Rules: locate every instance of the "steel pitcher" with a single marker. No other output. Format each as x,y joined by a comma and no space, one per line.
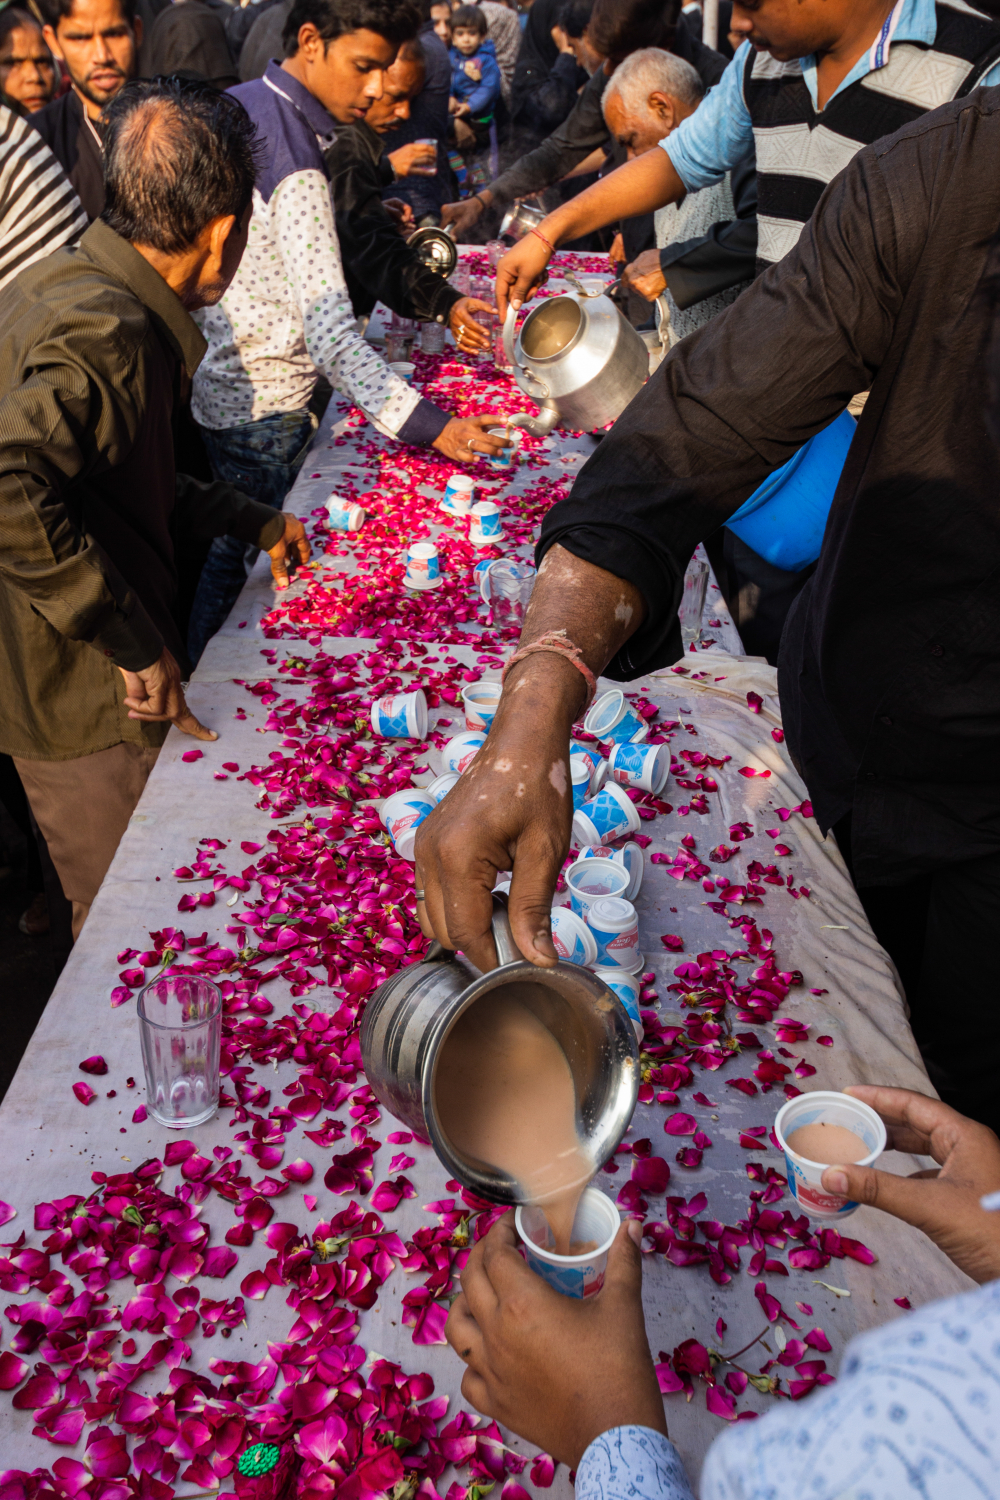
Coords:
408,1019
579,359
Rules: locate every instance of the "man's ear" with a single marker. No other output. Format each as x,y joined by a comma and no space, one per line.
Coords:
217,235
51,42
663,107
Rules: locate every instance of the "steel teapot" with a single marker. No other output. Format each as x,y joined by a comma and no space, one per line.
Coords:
409,1018
520,219
579,359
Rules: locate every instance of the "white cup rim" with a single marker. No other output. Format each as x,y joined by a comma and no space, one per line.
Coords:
833,1096
570,1261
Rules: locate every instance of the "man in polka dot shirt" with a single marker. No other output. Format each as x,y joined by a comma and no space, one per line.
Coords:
287,316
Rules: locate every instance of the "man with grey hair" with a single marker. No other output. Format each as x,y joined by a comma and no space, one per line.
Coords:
95,344
647,97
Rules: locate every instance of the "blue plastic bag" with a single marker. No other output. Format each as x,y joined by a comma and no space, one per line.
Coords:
785,518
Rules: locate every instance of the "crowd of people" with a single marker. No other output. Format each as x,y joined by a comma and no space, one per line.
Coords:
200,205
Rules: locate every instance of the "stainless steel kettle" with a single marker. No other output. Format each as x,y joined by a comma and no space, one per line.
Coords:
521,218
408,1019
579,359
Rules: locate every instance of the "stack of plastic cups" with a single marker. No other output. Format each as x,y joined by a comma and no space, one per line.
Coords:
627,988
614,925
629,855
572,938
462,749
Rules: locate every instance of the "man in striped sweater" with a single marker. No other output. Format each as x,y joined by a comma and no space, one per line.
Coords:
814,81
39,211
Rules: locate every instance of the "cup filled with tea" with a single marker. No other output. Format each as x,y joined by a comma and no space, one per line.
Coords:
826,1129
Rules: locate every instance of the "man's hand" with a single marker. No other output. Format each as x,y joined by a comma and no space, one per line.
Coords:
401,212
463,215
469,334
155,696
645,275
414,157
522,269
617,253
943,1203
465,439
557,1370
465,136
292,546
561,38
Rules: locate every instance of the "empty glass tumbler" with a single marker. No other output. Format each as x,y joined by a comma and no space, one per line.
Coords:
510,586
693,601
180,1029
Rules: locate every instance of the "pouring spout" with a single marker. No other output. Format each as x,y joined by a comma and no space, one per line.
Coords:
540,426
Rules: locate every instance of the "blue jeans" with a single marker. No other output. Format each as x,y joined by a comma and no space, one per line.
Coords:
262,459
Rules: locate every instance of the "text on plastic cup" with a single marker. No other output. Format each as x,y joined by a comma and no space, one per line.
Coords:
422,561
462,749
486,518
615,928
643,766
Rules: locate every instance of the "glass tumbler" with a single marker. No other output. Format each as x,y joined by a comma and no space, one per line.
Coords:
511,584
180,1029
693,601
432,338
495,251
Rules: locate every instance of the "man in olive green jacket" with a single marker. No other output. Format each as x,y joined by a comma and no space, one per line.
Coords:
93,346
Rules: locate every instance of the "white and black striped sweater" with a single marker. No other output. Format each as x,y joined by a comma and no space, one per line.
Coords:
800,150
39,211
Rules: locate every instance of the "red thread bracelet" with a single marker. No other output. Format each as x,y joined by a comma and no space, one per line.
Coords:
539,235
558,642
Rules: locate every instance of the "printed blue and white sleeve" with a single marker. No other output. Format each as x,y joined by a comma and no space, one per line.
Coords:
632,1463
719,134
306,237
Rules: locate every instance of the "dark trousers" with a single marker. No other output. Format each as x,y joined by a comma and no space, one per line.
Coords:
941,932
262,459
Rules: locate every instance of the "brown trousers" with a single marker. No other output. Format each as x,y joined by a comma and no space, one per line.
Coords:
82,807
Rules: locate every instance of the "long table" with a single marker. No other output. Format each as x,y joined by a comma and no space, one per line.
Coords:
754,890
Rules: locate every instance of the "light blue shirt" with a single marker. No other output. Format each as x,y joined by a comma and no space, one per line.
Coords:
914,1415
719,134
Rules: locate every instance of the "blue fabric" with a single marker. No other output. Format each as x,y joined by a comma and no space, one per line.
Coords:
914,1415
481,97
262,459
288,120
718,135
785,517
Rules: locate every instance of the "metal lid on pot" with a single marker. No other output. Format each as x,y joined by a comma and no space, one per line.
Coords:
435,248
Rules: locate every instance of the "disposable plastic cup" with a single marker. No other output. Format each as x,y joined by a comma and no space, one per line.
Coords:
442,785
571,937
614,926
403,369
402,814
591,752
462,749
579,774
481,699
607,816
485,527
401,716
459,493
645,767
423,566
507,458
626,987
344,515
611,718
826,1107
629,855
588,880
597,1221
180,1033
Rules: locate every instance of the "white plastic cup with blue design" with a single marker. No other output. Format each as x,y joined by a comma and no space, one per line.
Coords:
571,937
645,767
628,854
459,493
481,699
611,718
609,815
589,752
401,816
401,716
626,987
597,1222
484,524
423,566
805,1177
344,515
588,880
441,786
579,774
614,927
507,457
462,749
